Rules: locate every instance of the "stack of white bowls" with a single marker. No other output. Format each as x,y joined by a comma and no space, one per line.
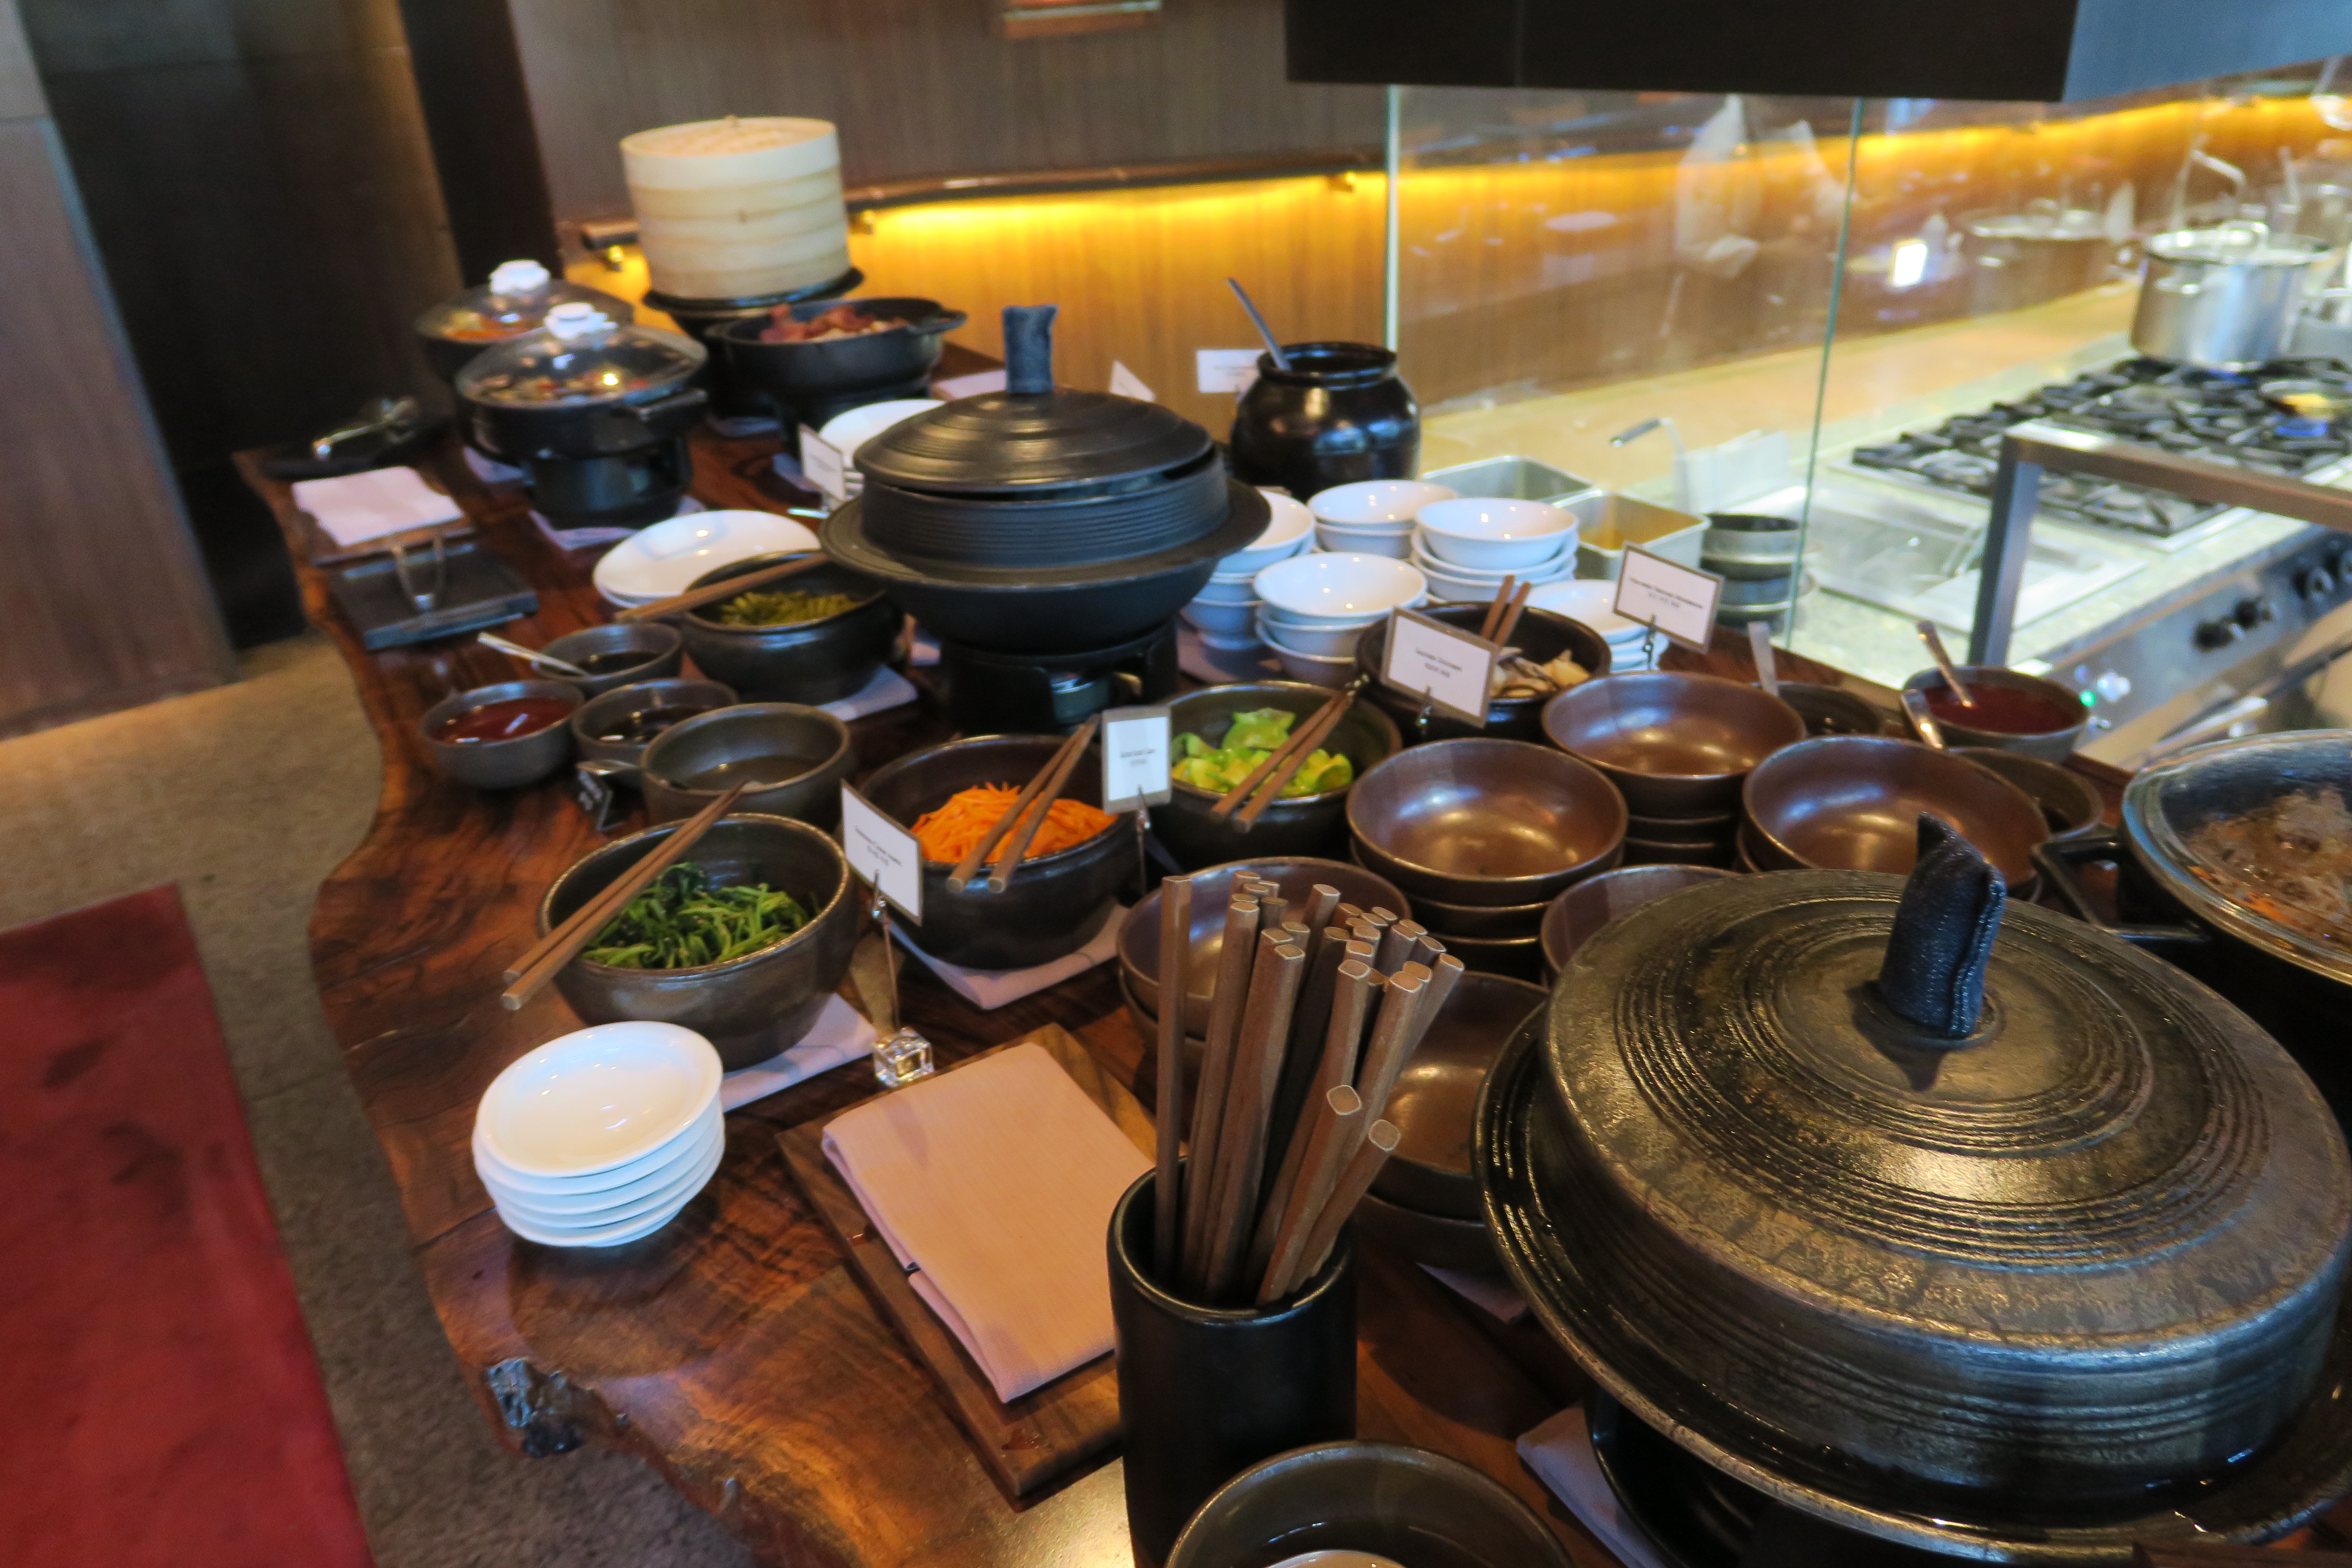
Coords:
845,433
655,563
602,1136
1316,606
1225,613
1465,548
1589,601
1372,517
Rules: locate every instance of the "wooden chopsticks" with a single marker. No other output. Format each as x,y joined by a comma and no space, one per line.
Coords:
1175,983
1511,613
712,593
1502,600
559,947
1017,826
1271,777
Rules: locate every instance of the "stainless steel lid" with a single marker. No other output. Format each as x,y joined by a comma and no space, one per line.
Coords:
580,357
2237,243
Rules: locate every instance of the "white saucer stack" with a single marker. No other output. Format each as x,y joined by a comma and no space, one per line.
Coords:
601,1137
1589,600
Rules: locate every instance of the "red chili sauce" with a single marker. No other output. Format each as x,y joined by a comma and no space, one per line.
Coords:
2004,709
506,719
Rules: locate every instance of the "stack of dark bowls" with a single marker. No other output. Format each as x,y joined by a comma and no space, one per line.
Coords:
1755,555
1678,747
1483,834
1041,520
1540,635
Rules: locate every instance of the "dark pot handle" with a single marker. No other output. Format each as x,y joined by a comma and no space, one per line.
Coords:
944,321
677,402
2056,861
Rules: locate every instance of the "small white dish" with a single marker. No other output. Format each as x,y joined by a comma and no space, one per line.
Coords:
1313,667
598,1098
667,557
1428,562
1495,535
685,1180
1445,585
1242,591
1324,642
1245,643
1376,501
1587,600
611,1235
1395,546
539,1194
845,433
1340,586
1284,536
489,1167
1225,620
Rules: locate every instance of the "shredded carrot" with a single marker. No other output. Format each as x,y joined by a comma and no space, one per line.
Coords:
948,833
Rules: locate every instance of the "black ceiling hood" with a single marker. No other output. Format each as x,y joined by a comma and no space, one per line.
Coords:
2046,51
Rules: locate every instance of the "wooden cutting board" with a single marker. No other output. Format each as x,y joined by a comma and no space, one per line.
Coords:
1040,1437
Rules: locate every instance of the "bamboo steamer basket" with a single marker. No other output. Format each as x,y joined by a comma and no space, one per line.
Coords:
740,207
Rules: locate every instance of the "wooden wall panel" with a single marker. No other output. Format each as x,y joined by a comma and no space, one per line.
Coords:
103,602
918,87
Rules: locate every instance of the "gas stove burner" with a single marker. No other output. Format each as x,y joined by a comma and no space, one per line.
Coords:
2282,420
992,693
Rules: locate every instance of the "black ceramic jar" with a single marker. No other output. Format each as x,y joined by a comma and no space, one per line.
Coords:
1339,414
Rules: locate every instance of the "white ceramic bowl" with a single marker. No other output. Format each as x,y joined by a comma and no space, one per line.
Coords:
1341,586
1231,591
1225,620
1495,535
1290,531
598,1099
1327,642
682,1181
614,1233
1395,546
845,433
1245,643
1558,560
1315,667
1445,584
1376,501
1587,600
666,558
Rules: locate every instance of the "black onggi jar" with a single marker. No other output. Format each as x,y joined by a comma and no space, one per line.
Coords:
1339,414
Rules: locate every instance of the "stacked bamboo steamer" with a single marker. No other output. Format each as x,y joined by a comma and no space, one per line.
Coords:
739,208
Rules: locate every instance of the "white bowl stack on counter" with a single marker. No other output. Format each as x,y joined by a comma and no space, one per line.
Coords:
1225,613
1587,600
1372,517
1466,547
666,558
1314,608
600,1136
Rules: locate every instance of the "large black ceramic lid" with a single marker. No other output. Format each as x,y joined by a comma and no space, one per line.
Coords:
580,358
2024,1283
1032,435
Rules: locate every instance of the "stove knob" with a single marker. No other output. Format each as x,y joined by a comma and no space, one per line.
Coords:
2253,612
2218,633
2315,582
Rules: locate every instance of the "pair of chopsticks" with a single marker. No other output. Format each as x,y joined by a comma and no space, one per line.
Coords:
1271,777
1503,616
712,593
1017,826
559,947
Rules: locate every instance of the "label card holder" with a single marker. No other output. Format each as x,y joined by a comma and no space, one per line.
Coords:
882,852
1127,384
822,464
1450,669
1669,598
1225,370
1136,750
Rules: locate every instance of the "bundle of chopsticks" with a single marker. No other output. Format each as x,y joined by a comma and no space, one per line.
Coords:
1503,612
1266,781
1311,1020
1008,841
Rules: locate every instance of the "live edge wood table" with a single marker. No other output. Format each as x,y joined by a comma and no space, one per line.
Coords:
733,1350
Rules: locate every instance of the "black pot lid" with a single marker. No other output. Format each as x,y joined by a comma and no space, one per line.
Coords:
1033,436
579,359
845,538
2089,1249
2207,824
515,301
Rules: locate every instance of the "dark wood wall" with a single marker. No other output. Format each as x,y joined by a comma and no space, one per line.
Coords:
918,87
103,600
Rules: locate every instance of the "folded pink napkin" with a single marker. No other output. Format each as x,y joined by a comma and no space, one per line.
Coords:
993,1185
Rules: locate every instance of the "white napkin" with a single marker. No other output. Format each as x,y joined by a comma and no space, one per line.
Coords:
888,689
355,507
1560,1453
989,989
992,1186
840,1034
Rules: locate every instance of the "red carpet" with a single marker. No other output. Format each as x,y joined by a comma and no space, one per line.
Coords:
162,1406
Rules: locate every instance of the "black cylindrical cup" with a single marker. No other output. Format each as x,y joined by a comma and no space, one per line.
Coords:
1204,1393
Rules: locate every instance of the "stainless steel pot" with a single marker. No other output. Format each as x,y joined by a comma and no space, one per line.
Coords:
2224,297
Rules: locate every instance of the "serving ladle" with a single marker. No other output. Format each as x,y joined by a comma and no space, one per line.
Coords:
1951,672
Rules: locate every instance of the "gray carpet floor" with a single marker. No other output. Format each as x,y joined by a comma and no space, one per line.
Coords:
245,797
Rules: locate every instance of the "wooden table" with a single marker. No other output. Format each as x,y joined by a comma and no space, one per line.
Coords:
733,1350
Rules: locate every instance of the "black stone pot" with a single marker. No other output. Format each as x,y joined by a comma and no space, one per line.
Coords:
1339,414
811,383
731,397
814,662
1205,1393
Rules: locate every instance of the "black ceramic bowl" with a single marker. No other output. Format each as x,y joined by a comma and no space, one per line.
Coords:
1485,822
811,661
815,381
620,655
752,1007
1435,1103
2068,802
1592,903
1832,710
1300,825
501,764
2055,714
1540,635
1054,903
792,757
608,714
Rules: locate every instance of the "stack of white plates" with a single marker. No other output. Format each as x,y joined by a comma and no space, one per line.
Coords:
1465,548
1225,613
1589,601
1316,606
602,1136
1372,517
664,558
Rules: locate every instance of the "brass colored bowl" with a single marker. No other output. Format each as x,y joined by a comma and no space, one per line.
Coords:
1675,745
1485,822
